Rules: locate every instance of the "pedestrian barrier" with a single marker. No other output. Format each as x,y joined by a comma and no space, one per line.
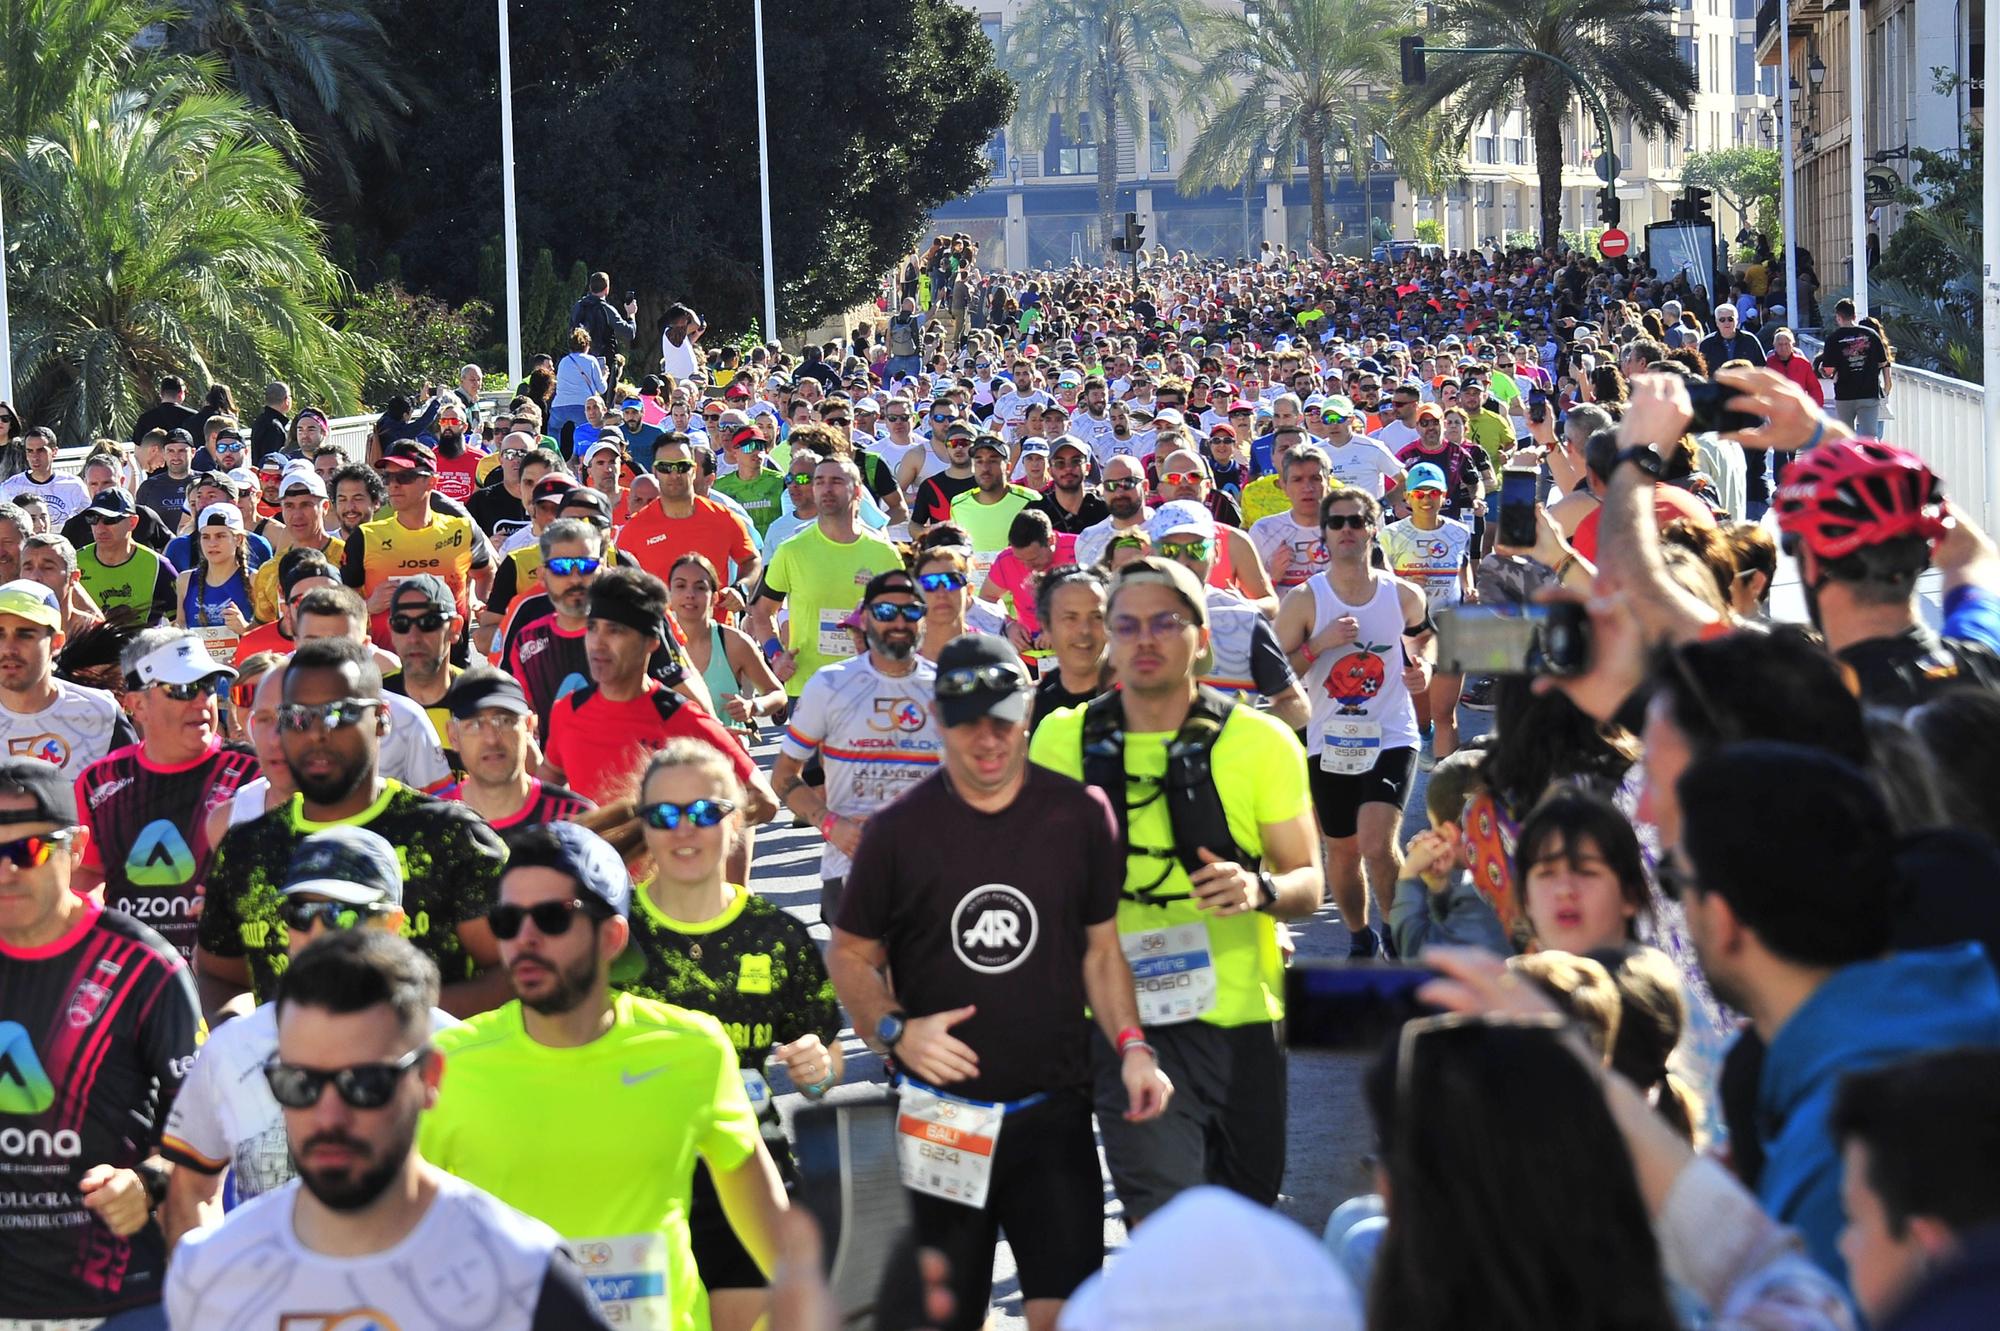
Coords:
1943,421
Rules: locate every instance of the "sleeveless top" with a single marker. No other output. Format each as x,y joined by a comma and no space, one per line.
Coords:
202,606
720,678
1360,705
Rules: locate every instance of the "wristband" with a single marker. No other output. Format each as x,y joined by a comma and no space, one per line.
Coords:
1819,433
1131,1035
1306,650
826,825
1139,1044
818,1088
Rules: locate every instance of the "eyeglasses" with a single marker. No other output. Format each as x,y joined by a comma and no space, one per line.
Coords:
975,679
572,566
429,622
335,715
887,612
189,692
1336,521
1130,628
32,852
1184,549
550,917
670,468
1182,477
1122,483
666,816
303,915
363,1086
948,581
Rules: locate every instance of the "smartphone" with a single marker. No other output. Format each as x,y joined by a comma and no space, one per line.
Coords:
1351,1005
1710,415
1532,639
1518,492
1538,406
631,293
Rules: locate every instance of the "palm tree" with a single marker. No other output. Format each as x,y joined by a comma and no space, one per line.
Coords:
49,47
1624,49
1095,58
1305,77
323,66
162,229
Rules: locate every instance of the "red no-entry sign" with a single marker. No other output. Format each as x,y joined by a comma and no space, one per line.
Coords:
1613,243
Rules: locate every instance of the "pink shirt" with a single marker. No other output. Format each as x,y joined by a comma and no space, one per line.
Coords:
1015,578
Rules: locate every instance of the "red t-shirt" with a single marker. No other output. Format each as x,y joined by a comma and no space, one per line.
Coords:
458,477
656,540
600,747
1669,502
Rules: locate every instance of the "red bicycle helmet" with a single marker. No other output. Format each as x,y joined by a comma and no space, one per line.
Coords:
1849,494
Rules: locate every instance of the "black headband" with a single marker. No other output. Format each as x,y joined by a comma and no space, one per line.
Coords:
633,617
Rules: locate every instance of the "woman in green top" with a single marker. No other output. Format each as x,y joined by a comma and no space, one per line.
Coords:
738,677
709,945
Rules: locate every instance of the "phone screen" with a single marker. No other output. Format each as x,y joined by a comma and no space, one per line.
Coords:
1331,1004
1518,487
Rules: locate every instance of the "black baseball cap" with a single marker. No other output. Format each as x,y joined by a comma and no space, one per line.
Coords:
980,675
424,591
477,690
114,503
893,580
54,796
409,455
586,503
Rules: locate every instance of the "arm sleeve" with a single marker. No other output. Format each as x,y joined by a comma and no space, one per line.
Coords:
776,580
1269,670
564,1300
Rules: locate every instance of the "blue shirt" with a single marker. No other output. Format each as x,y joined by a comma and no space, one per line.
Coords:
577,376
183,555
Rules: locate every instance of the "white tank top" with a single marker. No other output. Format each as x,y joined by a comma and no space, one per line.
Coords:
249,800
1360,705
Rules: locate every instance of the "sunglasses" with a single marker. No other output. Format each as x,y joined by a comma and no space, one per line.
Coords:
896,420
1184,477
189,692
303,915
1129,628
711,415
1336,521
800,478
32,852
550,917
680,468
335,715
1122,483
363,1086
1184,549
947,581
887,612
976,679
430,622
244,696
666,816
834,420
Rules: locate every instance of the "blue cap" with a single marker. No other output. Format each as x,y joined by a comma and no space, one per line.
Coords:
347,864
589,858
1427,476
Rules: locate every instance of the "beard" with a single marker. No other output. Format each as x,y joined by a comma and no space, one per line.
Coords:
451,443
355,1187
898,648
1124,503
572,984
332,786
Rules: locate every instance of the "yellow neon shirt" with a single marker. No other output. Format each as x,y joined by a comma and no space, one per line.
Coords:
264,582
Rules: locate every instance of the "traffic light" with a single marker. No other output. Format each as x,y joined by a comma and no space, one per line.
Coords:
1694,206
1413,61
1607,206
1135,235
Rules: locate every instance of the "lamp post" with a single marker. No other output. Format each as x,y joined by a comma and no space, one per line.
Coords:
6,327
1787,203
1989,170
513,243
1857,152
764,181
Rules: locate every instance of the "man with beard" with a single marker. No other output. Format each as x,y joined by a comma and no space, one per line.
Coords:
1125,496
358,493
423,624
577,1069
165,491
457,465
684,520
224,1117
501,505
65,725
417,536
355,1020
491,727
1091,424
987,511
936,491
1071,505
841,715
331,724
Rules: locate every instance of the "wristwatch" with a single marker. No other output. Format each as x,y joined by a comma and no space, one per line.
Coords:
1267,890
889,1029
1644,458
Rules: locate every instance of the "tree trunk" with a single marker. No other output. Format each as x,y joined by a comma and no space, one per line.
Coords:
1107,171
1547,102
1316,188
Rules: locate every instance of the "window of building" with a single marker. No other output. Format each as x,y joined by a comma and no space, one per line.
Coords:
1066,156
1156,141
996,153
1486,148
1746,69
990,25
1514,151
1691,53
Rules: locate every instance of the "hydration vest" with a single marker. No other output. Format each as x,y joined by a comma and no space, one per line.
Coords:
1194,805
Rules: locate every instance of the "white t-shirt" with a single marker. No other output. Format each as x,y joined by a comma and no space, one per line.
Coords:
74,731
1139,444
471,1262
1430,559
1396,436
225,1116
679,361
410,751
874,732
1094,540
63,496
1305,550
1364,463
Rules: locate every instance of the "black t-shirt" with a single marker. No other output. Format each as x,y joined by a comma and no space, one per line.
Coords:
1051,696
496,511
934,496
1857,357
166,416
1916,665
1089,513
451,867
100,1029
990,910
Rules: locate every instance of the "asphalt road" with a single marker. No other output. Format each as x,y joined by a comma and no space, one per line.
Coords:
1329,1134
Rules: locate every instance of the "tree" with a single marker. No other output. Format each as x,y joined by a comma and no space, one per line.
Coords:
323,66
1088,65
1302,78
410,338
1926,285
1624,49
162,229
1747,179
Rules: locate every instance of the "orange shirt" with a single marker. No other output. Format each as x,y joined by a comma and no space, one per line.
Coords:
1669,503
656,540
263,638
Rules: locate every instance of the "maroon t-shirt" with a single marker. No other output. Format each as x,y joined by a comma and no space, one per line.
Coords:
989,909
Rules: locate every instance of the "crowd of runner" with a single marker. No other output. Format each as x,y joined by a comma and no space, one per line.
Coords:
1105,622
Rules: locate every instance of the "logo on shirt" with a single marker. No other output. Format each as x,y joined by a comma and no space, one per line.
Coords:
87,1003
49,748
160,857
994,928
899,714
25,1089
108,789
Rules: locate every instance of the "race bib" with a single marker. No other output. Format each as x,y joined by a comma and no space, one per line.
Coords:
1351,747
836,641
628,1274
1171,972
219,640
756,1088
944,1147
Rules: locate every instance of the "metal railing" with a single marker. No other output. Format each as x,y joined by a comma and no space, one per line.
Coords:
1941,420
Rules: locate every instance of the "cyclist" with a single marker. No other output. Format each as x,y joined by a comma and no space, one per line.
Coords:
618,1094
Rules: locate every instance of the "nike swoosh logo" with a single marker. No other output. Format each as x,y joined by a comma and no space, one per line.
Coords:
632,1079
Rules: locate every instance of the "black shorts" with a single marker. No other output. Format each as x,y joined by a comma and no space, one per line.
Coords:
1338,799
719,1256
1047,1194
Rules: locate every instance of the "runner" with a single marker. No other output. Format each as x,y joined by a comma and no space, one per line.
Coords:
302,501
491,728
41,716
682,520
415,538
1237,565
1125,497
739,679
423,624
1072,506
573,1067
1070,602
130,583
225,1119
101,1026
147,804
1290,542
331,724
869,719
1363,738
712,946
63,496
411,751
1434,554
1357,459
1211,865
988,893
1244,659
370,1233
987,511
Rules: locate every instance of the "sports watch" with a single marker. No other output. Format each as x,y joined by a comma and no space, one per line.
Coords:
1267,890
890,1029
1644,457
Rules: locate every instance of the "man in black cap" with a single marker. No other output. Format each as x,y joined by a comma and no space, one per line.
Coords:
936,491
989,892
490,729
423,624
130,583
